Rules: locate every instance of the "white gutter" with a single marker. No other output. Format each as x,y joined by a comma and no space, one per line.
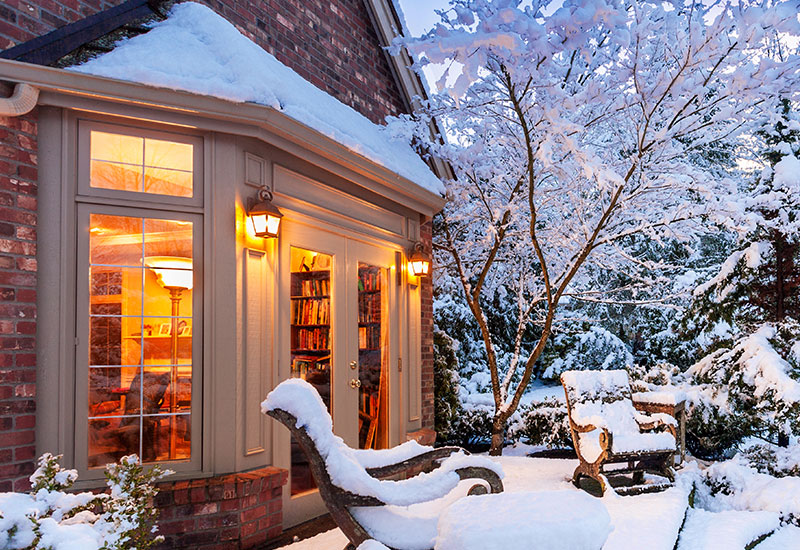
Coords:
21,102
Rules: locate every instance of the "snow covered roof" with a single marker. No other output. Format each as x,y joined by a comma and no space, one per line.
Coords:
198,51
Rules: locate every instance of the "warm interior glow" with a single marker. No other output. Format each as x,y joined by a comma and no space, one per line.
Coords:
265,225
171,271
144,165
419,267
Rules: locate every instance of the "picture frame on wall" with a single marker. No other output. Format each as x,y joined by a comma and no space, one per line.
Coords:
186,331
165,329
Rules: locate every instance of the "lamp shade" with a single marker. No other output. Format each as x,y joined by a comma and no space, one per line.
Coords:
265,218
172,271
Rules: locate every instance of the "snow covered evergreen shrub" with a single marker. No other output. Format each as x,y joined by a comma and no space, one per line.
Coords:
587,348
772,460
50,518
543,423
445,385
756,381
472,428
740,484
129,510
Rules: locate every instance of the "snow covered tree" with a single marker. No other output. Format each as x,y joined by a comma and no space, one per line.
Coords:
571,128
744,318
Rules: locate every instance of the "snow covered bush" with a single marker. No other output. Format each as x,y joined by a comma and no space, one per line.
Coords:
588,348
50,518
543,423
445,386
772,460
740,484
472,428
750,389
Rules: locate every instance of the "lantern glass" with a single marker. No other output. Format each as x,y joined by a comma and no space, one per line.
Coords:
419,267
266,219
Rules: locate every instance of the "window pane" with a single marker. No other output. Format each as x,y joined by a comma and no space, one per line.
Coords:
143,165
115,240
168,154
110,175
373,371
167,182
117,148
141,275
310,340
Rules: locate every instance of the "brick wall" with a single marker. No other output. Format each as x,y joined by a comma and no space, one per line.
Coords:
18,177
233,512
330,43
426,326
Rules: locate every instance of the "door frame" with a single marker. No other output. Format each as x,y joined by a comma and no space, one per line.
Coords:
347,250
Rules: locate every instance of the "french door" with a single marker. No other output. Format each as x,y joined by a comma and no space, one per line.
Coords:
339,332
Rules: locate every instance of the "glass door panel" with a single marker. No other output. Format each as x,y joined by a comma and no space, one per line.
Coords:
311,343
373,357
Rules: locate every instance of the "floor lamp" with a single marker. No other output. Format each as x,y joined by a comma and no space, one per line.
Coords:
174,274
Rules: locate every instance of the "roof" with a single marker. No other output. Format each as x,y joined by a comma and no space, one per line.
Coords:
85,38
195,50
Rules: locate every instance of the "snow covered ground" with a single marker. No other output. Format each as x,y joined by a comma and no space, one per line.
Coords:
647,521
650,521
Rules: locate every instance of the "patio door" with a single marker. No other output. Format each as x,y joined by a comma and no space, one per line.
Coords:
339,327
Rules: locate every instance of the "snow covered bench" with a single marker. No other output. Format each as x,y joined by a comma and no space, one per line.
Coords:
607,429
363,505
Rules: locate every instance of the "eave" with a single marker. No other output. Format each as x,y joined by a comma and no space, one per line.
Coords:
62,88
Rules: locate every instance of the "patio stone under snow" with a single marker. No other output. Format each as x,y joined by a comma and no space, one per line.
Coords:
649,521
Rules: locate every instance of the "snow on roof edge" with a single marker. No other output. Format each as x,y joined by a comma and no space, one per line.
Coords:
197,51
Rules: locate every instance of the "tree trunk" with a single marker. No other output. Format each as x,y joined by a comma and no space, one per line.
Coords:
498,435
780,293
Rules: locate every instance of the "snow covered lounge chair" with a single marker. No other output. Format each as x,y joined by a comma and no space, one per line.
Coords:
607,429
349,480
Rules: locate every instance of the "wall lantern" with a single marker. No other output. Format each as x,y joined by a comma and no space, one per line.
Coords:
418,264
265,216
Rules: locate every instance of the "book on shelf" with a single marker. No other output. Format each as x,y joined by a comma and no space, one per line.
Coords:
369,279
369,308
312,338
311,312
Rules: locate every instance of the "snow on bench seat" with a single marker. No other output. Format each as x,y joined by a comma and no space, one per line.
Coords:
603,399
727,530
547,520
346,466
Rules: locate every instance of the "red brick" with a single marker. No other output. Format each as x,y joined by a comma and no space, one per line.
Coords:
11,439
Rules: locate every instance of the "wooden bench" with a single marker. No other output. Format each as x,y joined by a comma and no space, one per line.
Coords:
607,430
350,480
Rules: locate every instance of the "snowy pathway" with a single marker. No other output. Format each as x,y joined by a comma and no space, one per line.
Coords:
647,521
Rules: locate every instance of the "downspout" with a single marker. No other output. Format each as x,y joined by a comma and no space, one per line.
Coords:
21,102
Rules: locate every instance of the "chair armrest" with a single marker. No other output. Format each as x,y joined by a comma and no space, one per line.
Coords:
582,428
649,422
423,462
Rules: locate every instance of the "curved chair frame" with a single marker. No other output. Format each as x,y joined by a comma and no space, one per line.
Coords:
339,500
639,462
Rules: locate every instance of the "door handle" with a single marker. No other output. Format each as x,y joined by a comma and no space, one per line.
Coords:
353,365
355,383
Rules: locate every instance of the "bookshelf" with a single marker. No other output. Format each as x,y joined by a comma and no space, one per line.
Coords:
310,329
372,395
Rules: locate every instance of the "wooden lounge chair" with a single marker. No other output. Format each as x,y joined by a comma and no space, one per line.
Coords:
607,429
351,481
